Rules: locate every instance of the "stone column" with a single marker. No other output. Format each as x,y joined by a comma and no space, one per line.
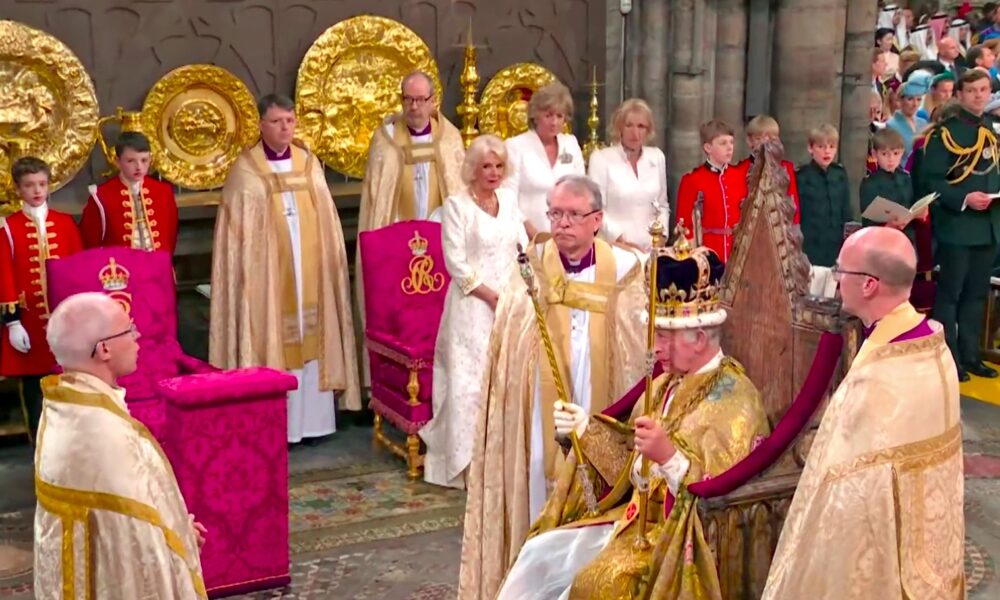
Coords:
730,62
687,90
807,68
654,61
856,92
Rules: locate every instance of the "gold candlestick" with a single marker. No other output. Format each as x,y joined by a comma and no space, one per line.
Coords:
593,120
468,110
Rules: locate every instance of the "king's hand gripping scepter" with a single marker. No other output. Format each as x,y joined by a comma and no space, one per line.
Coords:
528,274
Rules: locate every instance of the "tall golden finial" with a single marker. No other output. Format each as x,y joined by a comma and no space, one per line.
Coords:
593,120
468,110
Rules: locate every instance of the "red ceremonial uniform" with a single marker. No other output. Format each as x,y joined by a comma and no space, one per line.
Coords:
793,188
110,217
23,285
723,191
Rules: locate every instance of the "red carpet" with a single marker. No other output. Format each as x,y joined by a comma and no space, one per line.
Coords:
982,466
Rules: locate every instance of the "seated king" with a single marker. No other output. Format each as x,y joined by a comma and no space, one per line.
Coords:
706,416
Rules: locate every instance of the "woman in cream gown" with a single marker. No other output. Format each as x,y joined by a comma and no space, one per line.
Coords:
632,176
543,154
480,230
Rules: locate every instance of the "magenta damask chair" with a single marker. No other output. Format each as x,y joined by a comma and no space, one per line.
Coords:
405,284
223,431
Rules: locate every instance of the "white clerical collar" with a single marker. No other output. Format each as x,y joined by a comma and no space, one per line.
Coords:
36,213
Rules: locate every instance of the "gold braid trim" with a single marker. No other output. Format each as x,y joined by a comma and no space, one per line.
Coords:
8,308
969,157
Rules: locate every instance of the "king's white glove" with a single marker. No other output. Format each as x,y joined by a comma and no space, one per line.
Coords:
18,337
568,418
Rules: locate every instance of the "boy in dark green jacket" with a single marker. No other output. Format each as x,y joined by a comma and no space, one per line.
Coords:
889,181
824,198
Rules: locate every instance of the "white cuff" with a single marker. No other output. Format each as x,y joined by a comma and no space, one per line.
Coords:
468,284
673,471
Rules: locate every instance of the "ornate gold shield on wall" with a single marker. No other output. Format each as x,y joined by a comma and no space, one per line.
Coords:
198,118
48,107
349,81
503,107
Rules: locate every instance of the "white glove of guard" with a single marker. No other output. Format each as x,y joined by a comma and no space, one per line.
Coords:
569,418
18,337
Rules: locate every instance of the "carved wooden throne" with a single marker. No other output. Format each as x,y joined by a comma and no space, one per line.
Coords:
793,350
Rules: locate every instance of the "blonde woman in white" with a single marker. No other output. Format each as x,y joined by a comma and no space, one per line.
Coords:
480,229
632,175
543,154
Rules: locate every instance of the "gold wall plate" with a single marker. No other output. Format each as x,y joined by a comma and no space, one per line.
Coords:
503,106
48,106
348,83
198,119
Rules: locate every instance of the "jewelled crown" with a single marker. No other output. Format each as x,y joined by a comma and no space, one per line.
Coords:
418,244
687,285
113,277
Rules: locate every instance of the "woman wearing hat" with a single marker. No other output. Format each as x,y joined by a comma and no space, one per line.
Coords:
905,120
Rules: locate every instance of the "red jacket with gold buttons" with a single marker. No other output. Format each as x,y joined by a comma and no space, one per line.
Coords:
23,285
723,191
109,218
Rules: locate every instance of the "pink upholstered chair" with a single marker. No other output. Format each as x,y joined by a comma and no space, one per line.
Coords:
405,284
223,431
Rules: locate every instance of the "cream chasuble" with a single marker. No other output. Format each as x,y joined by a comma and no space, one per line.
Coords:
280,291
110,522
594,319
878,509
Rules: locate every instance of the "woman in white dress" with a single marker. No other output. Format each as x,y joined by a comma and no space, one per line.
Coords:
543,154
480,230
632,176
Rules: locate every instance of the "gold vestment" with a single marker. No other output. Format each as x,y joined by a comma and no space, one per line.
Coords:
714,419
111,522
878,512
497,510
254,315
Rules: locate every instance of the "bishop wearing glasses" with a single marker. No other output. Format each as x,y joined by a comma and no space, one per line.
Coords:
591,294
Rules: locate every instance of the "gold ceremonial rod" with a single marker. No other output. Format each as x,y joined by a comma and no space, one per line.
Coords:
524,264
468,109
656,233
593,120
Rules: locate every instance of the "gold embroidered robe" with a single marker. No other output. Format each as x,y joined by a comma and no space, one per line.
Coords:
253,314
497,516
110,522
714,419
878,510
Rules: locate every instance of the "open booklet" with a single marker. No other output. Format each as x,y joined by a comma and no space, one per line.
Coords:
882,210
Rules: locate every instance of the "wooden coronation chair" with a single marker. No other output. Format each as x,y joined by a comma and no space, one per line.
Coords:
405,283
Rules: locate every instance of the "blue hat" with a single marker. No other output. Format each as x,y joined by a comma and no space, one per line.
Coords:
918,84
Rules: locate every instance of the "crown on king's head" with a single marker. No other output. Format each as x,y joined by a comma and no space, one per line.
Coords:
114,277
687,285
418,244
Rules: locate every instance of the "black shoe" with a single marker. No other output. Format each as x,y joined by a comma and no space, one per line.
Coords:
962,375
980,370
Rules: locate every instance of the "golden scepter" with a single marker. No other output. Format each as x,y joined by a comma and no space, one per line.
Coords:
528,274
656,235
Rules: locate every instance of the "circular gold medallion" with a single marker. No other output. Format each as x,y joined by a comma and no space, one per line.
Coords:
503,107
48,107
198,118
348,83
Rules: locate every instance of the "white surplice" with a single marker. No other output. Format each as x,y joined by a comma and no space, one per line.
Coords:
311,412
531,176
548,563
579,378
629,195
478,250
421,173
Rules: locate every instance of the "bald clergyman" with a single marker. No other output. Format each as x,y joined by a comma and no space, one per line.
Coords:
878,510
